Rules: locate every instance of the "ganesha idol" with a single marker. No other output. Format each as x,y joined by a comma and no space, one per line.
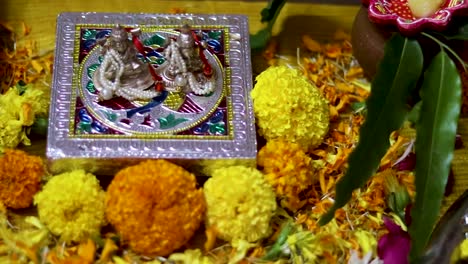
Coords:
123,74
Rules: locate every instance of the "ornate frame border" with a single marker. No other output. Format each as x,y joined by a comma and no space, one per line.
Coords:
241,146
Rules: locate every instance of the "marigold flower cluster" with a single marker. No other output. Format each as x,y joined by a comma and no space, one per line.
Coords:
155,206
288,169
22,59
240,203
18,110
289,107
20,178
71,205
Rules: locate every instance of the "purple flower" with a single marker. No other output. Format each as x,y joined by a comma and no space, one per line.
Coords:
394,247
408,163
459,142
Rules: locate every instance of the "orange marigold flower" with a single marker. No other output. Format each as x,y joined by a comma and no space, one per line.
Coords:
288,169
155,206
20,178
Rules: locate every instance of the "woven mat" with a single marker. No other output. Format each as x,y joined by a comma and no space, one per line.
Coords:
459,166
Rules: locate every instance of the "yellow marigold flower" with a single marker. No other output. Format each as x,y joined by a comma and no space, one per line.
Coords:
191,256
288,106
72,205
155,206
288,169
210,165
38,97
366,240
20,178
327,245
11,131
460,253
19,110
240,203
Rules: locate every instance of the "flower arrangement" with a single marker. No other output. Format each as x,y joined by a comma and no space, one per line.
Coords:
154,209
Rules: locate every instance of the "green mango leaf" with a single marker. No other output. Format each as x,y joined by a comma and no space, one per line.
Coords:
260,39
393,84
269,14
277,248
436,130
413,116
460,32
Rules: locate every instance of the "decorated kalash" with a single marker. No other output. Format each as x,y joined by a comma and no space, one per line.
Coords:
153,153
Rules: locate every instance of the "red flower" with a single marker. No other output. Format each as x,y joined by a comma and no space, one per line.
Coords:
394,247
397,12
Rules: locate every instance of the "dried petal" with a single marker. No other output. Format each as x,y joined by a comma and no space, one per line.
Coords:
311,44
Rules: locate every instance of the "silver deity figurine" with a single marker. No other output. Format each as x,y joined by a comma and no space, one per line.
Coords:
121,72
183,68
188,49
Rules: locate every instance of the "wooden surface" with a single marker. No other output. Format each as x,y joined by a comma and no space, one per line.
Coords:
318,20
459,166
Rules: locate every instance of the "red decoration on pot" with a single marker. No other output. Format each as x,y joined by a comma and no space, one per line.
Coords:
397,12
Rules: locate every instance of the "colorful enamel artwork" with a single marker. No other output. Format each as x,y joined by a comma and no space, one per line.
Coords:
173,113
397,12
175,123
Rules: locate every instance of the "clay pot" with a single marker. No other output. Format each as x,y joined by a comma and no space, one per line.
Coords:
368,40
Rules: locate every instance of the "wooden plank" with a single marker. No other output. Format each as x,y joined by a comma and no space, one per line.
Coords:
320,20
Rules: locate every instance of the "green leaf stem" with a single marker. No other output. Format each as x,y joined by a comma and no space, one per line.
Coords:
269,15
393,84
